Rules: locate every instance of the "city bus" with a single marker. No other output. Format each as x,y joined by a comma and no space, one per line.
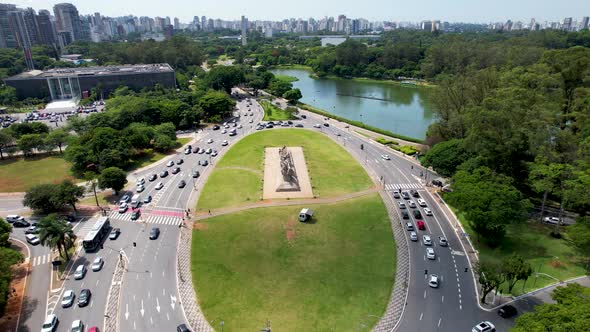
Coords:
97,234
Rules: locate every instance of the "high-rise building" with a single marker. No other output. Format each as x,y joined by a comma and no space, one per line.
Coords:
7,39
244,28
567,24
356,27
176,23
427,25
584,23
68,23
204,23
46,28
23,35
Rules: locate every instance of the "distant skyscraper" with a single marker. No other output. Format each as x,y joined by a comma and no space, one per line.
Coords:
176,24
204,23
67,23
567,24
7,39
23,35
244,28
46,28
356,26
584,24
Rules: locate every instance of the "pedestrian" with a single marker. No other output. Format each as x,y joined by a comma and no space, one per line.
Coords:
209,211
189,210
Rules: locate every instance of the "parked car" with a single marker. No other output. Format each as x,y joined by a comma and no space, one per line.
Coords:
216,127
67,299
97,264
80,272
32,239
140,182
84,297
140,188
204,162
552,220
214,153
14,217
154,233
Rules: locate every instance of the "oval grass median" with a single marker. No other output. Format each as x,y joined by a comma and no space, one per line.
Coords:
332,274
237,178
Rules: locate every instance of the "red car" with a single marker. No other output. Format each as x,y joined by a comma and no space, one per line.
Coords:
421,225
93,329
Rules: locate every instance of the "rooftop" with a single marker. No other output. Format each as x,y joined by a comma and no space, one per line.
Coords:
95,71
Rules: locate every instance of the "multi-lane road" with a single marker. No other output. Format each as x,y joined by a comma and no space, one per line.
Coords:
149,300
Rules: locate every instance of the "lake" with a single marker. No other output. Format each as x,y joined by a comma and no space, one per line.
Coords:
403,110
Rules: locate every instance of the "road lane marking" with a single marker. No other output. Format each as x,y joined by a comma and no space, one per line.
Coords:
421,314
439,320
425,293
97,281
443,299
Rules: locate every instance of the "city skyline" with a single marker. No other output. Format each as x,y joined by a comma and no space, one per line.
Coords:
455,11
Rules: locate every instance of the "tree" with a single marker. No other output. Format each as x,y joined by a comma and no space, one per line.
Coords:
92,180
579,234
57,138
29,142
68,193
112,177
41,197
216,104
5,230
8,257
446,156
293,95
6,140
489,276
570,313
514,268
489,201
57,234
278,87
225,77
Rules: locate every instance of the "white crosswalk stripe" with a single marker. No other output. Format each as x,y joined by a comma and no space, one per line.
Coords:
150,219
396,186
40,260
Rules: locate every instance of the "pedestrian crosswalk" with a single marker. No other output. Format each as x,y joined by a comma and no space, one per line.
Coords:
397,186
40,260
147,218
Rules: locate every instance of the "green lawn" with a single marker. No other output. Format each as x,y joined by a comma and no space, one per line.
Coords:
273,113
18,174
532,241
331,275
332,170
286,78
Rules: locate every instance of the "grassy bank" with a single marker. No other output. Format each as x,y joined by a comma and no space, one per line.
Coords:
321,276
274,113
304,67
286,78
19,174
358,124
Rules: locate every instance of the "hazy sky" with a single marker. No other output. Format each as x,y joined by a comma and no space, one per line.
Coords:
394,10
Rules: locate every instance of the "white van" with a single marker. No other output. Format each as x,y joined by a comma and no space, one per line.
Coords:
14,217
135,200
32,239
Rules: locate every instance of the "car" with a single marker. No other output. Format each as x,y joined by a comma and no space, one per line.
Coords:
153,177
417,214
430,253
50,323
68,298
182,328
181,184
427,211
196,150
80,272
125,199
421,225
405,214
32,230
421,202
123,208
507,311
396,194
140,188
140,182
224,131
135,215
216,127
97,264
413,236
409,226
209,141
552,220
251,121
303,116
32,239
195,174
21,224
208,151
385,156
433,281
14,217
442,241
92,329
233,133
187,151
180,162
214,153
405,195
326,125
201,151
240,127
299,125
114,233
147,199
159,186
484,327
176,170
224,143
204,162
426,240
84,297
164,174
317,125
412,204
170,163
414,193
154,233
77,326
402,205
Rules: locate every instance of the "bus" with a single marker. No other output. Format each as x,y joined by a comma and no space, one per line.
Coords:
99,231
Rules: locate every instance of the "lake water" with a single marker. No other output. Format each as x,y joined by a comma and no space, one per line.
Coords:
400,109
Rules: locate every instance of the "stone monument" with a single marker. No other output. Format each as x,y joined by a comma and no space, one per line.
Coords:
289,182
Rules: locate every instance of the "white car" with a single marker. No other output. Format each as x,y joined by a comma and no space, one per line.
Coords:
97,264
77,326
433,281
68,298
141,182
32,239
251,121
214,153
421,202
210,141
317,125
239,126
412,204
552,220
123,208
170,163
224,131
140,188
484,327
80,272
385,156
402,205
413,236
224,143
426,240
430,253
159,186
427,211
50,323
